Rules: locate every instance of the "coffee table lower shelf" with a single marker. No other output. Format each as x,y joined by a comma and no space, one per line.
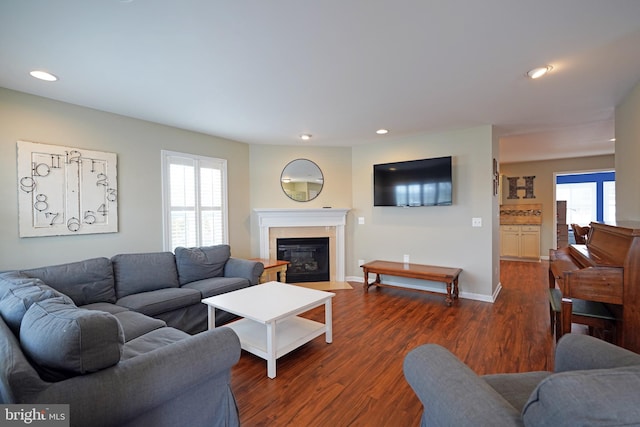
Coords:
287,335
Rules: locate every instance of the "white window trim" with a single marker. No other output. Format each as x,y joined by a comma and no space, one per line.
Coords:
166,208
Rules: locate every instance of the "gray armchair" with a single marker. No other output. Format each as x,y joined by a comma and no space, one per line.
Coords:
594,384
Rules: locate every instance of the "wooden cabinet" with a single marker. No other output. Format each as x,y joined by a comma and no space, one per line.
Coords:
520,241
530,241
510,240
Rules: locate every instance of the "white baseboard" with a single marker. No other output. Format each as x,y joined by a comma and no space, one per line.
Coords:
439,290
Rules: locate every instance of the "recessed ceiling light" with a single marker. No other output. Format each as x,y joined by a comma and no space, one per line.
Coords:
305,137
612,140
382,131
43,75
538,72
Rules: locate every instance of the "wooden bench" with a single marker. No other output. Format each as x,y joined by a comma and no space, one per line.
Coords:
593,314
414,271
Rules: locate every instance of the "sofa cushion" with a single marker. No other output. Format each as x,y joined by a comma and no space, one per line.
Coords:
133,324
16,300
218,285
151,341
160,301
137,324
135,273
201,263
105,306
595,397
68,340
85,282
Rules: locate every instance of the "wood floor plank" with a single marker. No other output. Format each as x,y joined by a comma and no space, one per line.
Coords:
358,381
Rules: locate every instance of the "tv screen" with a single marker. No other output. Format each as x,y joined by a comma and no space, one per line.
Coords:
425,182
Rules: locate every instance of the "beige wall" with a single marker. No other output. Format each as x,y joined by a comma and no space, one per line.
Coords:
430,235
544,186
137,144
267,163
628,157
439,235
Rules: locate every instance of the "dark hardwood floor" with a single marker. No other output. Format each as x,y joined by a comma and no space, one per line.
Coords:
358,381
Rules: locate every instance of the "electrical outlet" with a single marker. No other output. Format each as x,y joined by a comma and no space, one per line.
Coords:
405,258
476,222
360,220
360,262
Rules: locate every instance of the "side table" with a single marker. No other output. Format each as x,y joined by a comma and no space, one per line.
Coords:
272,269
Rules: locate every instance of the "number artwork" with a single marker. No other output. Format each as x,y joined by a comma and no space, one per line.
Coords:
64,190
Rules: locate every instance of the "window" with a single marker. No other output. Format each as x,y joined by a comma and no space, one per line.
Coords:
589,196
581,201
609,195
194,199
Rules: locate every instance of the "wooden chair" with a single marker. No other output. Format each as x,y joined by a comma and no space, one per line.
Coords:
581,234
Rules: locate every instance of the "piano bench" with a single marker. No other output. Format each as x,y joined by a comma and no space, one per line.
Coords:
593,314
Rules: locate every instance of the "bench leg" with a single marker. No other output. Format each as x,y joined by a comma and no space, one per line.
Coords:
377,282
366,281
448,300
565,318
555,318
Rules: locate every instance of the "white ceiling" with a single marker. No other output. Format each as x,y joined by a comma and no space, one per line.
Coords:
264,72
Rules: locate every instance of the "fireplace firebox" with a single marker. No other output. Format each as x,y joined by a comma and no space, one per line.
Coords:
308,257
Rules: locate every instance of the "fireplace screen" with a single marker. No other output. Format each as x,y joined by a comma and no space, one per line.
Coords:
308,257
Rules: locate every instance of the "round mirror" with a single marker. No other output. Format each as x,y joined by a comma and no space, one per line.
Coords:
301,180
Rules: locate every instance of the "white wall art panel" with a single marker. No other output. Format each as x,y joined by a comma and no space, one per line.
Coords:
66,190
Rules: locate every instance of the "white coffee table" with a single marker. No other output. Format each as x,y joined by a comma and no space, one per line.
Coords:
270,328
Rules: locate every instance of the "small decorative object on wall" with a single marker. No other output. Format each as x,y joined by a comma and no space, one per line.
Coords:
496,178
66,190
528,187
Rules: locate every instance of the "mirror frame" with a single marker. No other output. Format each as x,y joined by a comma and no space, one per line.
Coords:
308,178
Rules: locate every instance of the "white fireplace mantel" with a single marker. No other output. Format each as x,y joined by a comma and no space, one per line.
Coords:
324,217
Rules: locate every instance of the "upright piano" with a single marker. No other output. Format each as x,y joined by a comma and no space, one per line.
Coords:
606,269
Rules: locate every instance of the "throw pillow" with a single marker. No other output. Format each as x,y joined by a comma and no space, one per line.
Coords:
17,300
201,263
67,340
12,279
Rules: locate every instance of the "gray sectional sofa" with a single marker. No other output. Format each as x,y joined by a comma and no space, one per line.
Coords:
123,341
594,384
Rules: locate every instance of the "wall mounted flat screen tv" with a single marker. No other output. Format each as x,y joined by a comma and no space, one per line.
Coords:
425,182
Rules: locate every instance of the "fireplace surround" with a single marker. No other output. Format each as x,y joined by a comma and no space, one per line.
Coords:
288,223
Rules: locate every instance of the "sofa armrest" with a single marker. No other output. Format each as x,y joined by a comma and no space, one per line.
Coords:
117,395
247,269
580,352
452,394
